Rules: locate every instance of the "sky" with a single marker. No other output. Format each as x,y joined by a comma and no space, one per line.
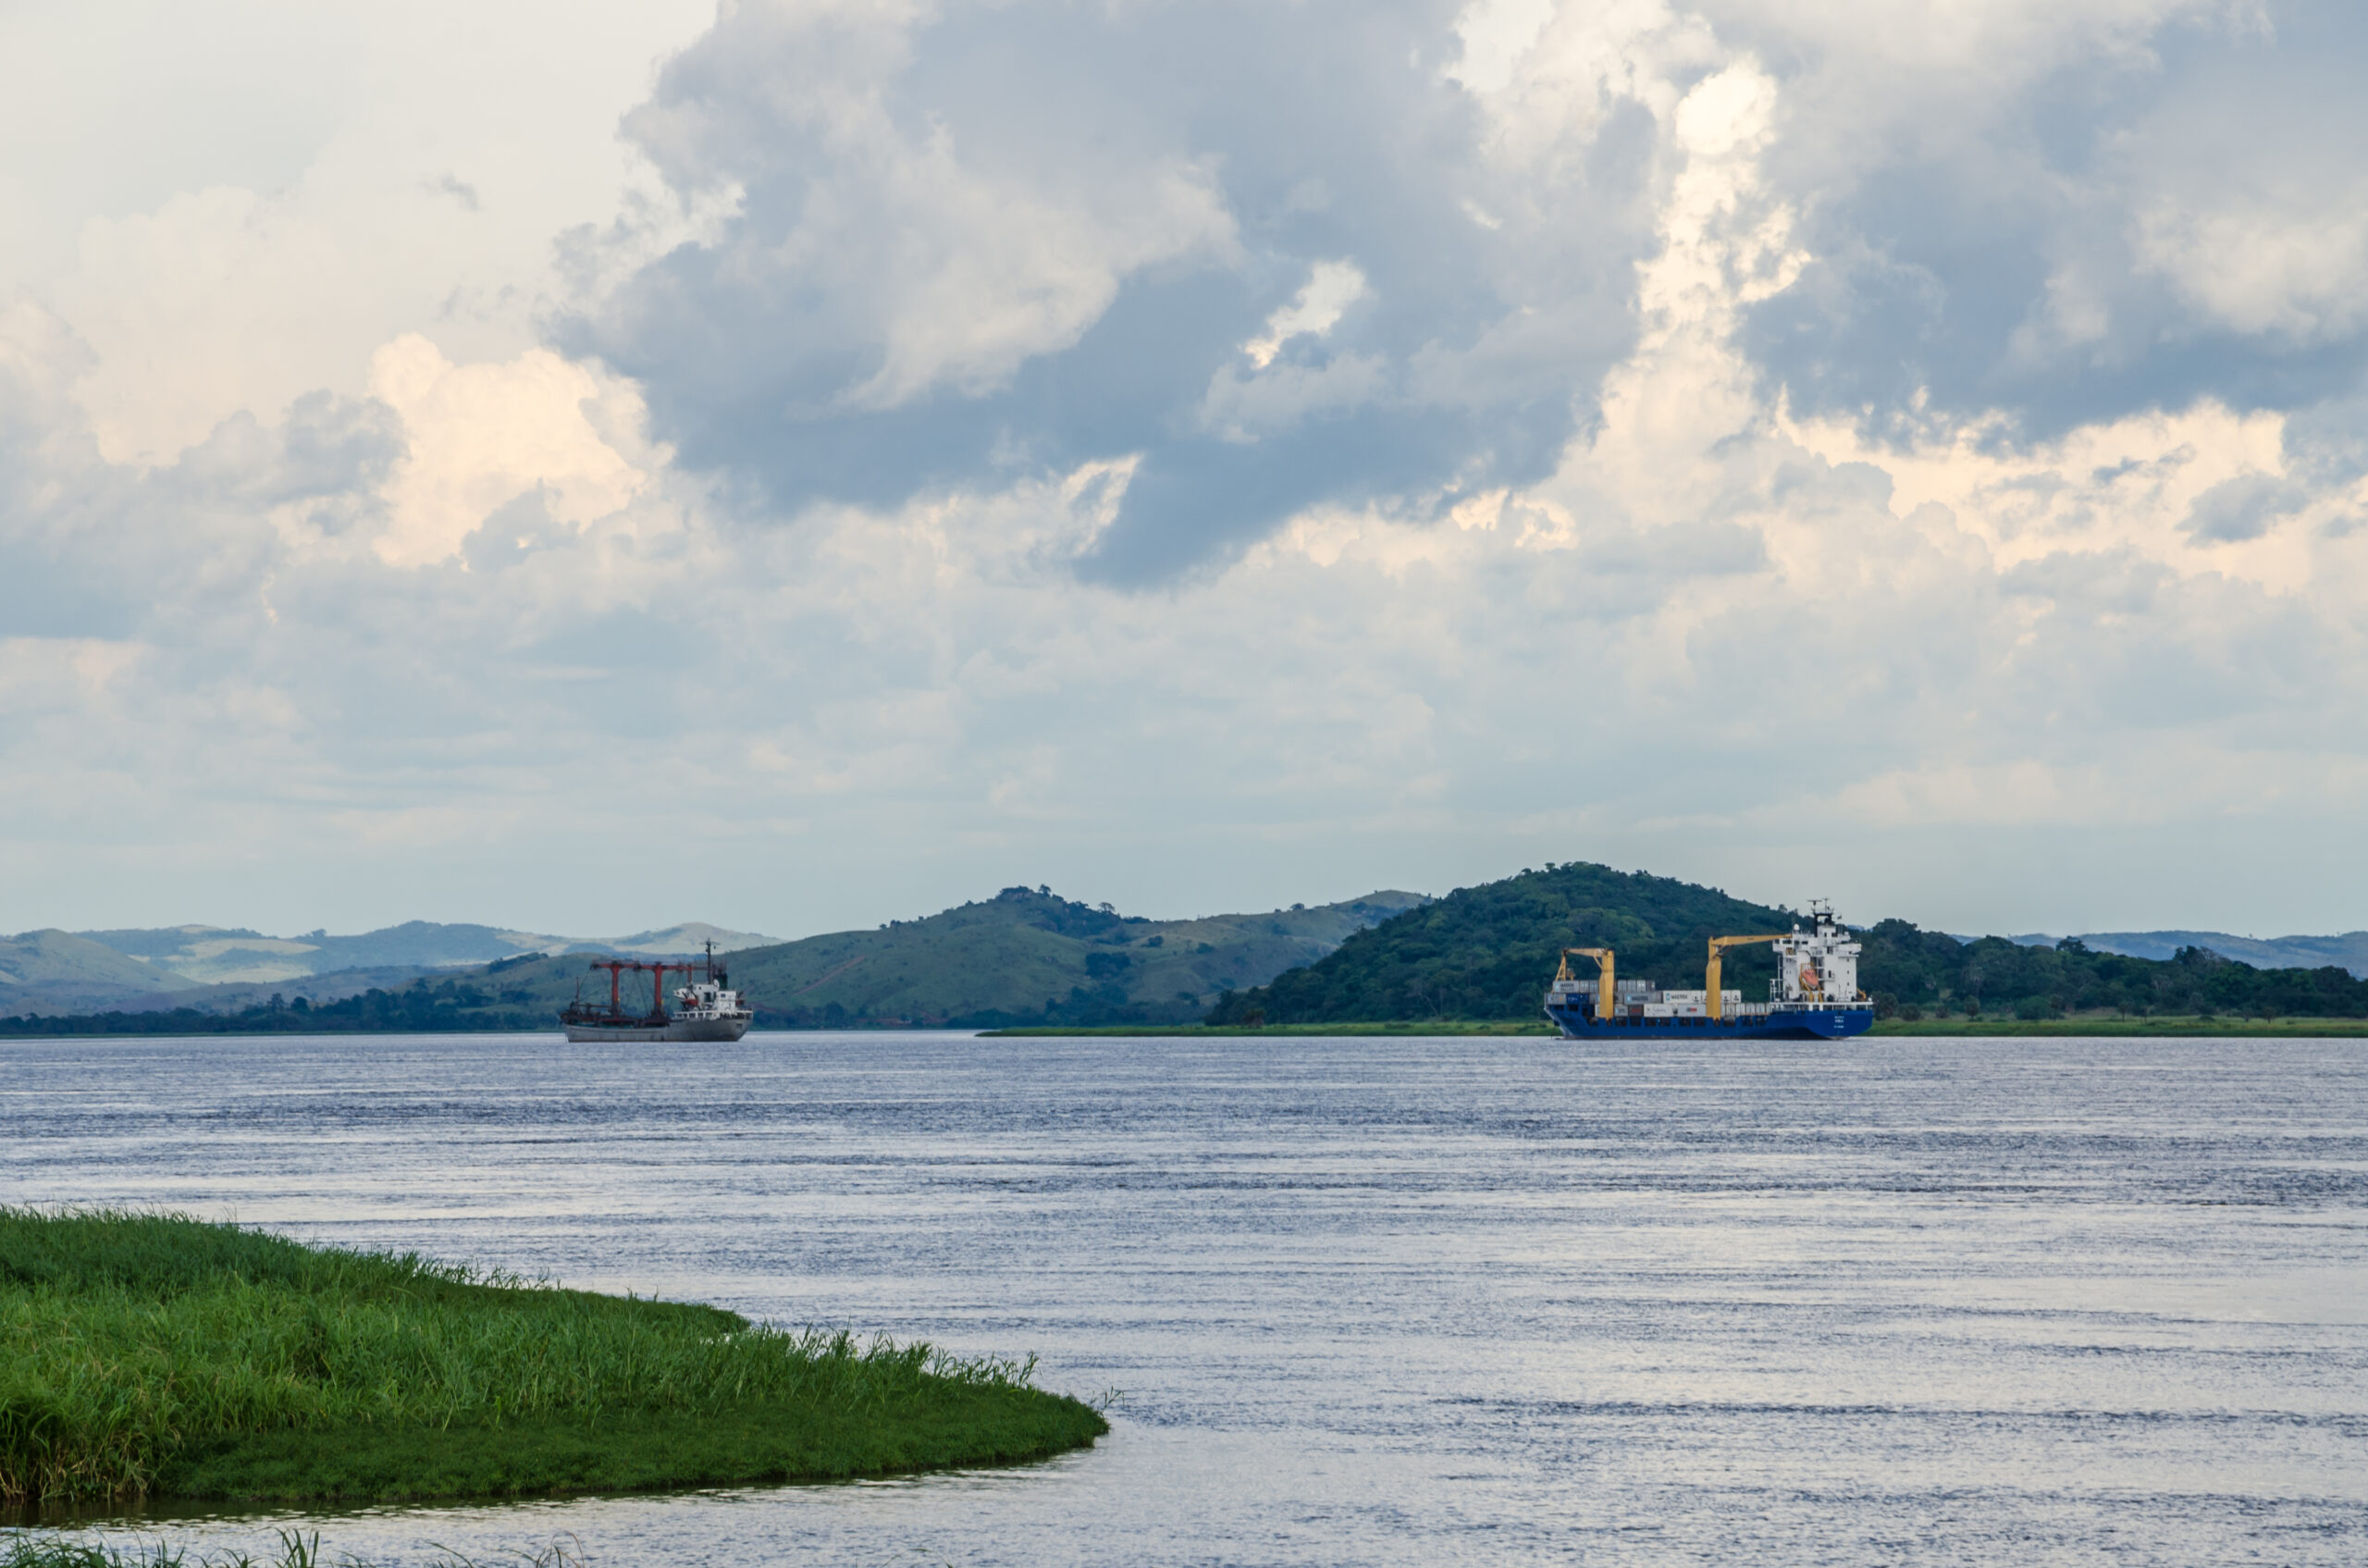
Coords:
581,467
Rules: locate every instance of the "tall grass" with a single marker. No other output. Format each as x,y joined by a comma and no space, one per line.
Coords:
296,1550
127,1339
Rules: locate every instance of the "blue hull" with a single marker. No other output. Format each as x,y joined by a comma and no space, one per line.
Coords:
1814,1023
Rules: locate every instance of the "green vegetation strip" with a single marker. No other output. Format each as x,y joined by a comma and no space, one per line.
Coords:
2090,1027
157,1355
1230,1031
2093,1027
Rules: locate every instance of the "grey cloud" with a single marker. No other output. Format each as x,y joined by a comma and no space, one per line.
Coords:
2243,508
2072,250
1324,132
327,452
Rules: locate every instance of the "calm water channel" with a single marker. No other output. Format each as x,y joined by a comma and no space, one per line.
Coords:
1380,1301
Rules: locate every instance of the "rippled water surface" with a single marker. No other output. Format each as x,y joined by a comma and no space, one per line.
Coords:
1395,1301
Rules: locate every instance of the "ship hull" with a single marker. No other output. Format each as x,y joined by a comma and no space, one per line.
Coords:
726,1028
1793,1023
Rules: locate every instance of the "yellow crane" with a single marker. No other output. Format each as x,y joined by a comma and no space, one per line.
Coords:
1715,998
1602,957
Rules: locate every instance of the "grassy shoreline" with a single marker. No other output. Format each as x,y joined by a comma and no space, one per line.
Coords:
2189,1028
2269,1029
155,1355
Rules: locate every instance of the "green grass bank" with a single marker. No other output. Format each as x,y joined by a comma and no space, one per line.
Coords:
155,1355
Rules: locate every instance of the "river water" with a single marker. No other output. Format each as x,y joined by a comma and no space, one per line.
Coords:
1393,1300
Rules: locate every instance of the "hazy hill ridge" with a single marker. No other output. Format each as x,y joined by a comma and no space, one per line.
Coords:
218,955
1487,952
221,969
2349,951
58,972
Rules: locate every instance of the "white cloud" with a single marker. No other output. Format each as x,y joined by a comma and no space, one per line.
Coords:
1332,288
481,436
2292,267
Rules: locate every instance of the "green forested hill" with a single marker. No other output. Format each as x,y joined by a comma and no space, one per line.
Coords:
1028,956
1487,952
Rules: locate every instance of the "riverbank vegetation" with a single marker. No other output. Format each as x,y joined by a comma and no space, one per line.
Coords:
157,1355
2088,1024
2106,1024
1370,1029
478,1006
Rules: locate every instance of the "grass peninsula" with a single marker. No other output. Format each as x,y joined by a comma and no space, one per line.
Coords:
147,1355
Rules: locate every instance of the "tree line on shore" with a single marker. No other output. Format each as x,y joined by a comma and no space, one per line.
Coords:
450,1007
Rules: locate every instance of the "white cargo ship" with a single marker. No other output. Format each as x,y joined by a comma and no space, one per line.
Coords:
705,1007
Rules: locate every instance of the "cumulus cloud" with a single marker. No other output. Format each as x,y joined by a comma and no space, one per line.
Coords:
478,436
978,239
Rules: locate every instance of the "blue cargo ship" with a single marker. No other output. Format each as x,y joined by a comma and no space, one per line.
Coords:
1814,996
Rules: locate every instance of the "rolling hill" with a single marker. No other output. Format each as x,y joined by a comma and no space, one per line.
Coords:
56,972
1026,955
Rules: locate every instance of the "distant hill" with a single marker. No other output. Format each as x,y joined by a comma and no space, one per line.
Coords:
56,972
220,956
1486,953
1026,955
2349,951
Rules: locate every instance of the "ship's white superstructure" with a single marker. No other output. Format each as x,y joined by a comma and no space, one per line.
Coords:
1817,967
